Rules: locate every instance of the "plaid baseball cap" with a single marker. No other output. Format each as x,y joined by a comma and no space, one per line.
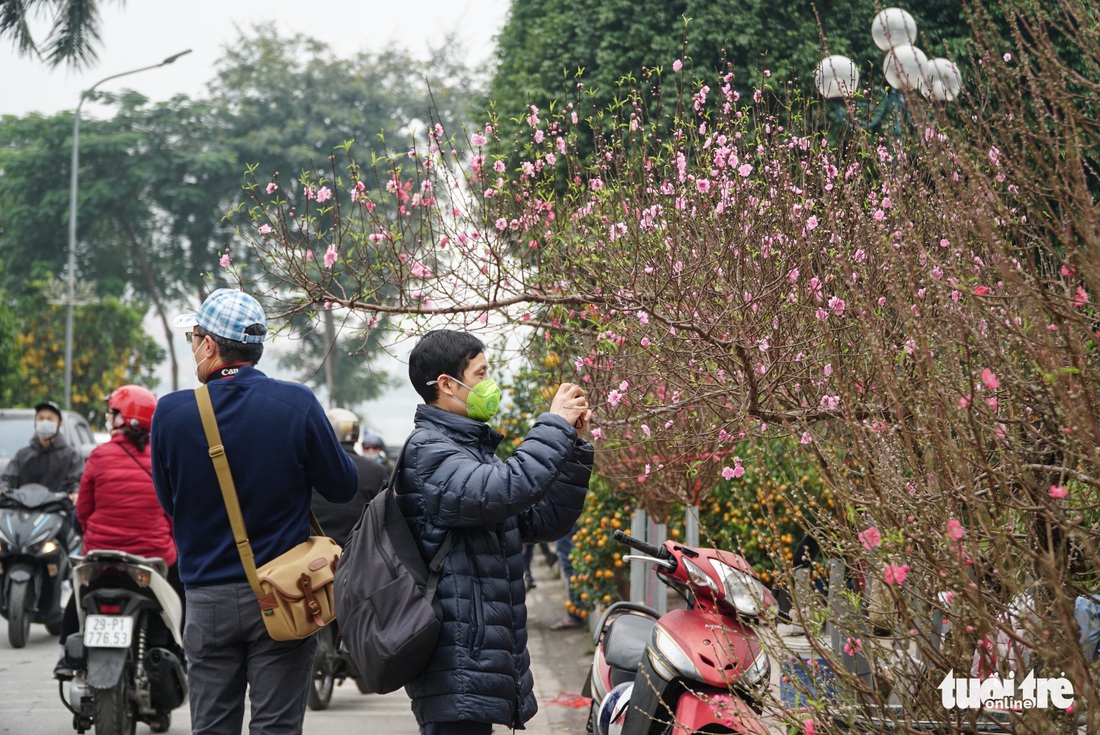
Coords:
228,313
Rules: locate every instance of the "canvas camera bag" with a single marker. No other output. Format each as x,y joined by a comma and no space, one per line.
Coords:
295,589
385,594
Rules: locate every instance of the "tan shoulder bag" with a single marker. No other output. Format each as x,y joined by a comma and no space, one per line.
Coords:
295,589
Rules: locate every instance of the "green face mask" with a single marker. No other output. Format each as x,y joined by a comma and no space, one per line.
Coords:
483,401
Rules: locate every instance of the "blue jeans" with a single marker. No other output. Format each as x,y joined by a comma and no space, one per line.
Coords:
228,649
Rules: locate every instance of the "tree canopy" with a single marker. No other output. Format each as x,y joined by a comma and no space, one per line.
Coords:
548,47
157,180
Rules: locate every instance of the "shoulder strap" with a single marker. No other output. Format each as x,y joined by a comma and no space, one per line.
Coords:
448,542
232,505
122,446
229,490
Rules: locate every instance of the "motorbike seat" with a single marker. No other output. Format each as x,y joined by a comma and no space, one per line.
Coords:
626,641
109,556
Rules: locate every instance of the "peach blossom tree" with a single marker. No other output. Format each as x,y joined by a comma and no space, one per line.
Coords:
918,314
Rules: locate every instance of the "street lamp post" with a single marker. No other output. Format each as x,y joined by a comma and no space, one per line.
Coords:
905,67
71,278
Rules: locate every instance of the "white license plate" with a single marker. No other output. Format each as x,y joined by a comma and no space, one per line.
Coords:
108,631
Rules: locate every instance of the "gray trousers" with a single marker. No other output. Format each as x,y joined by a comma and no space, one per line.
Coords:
227,649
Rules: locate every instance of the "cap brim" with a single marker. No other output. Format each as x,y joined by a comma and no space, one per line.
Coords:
185,320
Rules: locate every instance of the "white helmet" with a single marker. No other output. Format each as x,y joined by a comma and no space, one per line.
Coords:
612,714
344,423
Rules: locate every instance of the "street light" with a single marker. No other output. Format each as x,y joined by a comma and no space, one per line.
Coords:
71,280
905,67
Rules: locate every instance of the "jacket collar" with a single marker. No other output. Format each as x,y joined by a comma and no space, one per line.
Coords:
460,428
244,372
57,443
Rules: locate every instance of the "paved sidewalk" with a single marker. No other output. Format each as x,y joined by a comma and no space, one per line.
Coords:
559,659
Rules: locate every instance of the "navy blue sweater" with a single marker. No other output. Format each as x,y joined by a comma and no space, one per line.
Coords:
279,445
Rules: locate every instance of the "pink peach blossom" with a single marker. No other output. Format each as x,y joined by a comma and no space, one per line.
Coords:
955,530
870,538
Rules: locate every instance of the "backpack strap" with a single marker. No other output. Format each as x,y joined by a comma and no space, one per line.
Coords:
436,564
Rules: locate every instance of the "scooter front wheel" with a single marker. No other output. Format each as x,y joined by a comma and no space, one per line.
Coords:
324,677
19,619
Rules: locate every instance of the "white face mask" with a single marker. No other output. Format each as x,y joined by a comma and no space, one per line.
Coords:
45,429
198,365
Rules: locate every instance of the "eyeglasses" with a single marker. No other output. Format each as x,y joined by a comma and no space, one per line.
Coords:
190,336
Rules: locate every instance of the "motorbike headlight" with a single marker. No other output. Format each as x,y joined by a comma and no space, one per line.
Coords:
742,590
668,659
48,547
701,578
756,676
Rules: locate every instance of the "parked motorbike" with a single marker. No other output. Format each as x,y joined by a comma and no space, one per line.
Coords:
33,559
128,659
332,665
696,670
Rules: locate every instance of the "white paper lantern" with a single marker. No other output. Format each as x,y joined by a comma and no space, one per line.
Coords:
941,81
893,27
836,76
904,67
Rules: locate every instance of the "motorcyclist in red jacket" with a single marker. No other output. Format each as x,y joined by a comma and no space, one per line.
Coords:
117,505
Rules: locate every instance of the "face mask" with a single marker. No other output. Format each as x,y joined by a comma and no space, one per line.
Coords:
114,421
199,364
483,401
45,429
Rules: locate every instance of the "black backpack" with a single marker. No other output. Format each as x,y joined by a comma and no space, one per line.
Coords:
385,594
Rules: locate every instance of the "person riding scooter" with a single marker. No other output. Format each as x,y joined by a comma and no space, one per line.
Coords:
331,663
48,460
337,519
117,506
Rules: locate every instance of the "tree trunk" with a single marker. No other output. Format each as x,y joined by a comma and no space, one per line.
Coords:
154,293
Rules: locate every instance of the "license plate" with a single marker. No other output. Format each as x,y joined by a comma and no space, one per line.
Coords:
108,631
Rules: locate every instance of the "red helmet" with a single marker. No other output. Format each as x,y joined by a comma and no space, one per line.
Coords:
135,404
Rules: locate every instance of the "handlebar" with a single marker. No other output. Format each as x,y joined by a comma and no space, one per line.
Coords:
645,548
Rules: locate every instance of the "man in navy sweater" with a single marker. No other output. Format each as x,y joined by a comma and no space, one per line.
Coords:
279,446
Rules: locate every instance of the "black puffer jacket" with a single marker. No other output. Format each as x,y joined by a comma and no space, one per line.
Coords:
452,481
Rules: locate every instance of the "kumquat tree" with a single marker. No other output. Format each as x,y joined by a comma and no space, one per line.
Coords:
914,317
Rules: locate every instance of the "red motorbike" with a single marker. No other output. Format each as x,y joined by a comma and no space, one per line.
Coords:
699,670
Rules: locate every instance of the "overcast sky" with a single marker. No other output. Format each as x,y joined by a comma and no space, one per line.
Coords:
143,32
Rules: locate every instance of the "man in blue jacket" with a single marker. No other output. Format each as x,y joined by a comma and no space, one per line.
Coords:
279,446
451,482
